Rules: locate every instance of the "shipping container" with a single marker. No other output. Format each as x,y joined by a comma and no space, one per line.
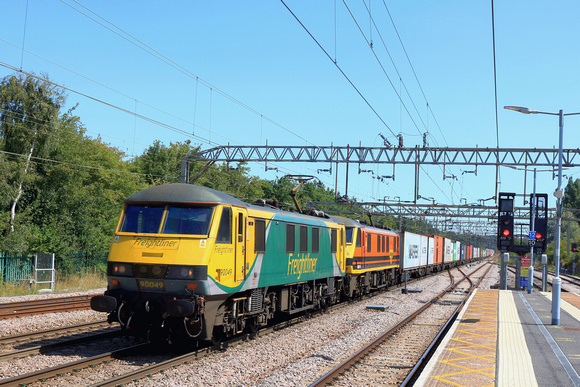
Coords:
456,251
438,249
424,249
411,250
447,251
430,250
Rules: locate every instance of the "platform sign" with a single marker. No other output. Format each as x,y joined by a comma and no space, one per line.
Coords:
524,277
524,271
525,261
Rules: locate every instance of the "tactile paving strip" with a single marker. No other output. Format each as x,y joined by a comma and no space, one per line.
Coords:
470,355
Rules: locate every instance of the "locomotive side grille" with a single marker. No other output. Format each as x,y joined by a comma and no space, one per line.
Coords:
256,305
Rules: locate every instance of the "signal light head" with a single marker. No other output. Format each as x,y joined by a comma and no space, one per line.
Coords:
506,233
538,235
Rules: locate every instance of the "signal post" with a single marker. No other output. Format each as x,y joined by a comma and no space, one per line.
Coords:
536,236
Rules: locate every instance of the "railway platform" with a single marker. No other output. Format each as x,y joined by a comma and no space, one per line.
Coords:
506,338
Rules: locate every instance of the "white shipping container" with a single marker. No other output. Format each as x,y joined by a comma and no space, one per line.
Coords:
447,251
424,249
457,251
411,250
430,250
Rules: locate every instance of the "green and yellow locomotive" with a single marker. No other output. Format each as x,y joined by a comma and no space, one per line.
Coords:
190,261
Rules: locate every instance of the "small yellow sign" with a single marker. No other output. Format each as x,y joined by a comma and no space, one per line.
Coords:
524,271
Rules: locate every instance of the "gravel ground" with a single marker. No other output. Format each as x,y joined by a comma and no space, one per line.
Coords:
299,355
14,326
294,356
4,300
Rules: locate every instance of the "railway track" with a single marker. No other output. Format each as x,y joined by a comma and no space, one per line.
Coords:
567,278
395,356
50,305
72,367
52,339
87,366
48,334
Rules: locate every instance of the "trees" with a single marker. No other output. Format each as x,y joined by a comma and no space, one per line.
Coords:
60,191
161,164
29,108
572,194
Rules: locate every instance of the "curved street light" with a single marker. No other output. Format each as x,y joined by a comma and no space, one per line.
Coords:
559,194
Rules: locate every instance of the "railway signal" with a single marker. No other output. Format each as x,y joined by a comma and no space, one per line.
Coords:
540,222
505,228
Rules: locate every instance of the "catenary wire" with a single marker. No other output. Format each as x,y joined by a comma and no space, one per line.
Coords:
143,46
339,69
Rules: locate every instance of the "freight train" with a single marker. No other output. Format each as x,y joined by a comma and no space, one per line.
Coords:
191,262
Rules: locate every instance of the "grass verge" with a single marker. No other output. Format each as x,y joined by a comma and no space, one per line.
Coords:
69,284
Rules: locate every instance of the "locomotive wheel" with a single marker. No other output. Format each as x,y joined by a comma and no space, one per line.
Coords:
217,338
193,327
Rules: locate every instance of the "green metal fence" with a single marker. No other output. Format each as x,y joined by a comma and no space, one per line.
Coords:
15,267
81,263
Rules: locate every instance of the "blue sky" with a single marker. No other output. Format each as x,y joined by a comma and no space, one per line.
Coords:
247,72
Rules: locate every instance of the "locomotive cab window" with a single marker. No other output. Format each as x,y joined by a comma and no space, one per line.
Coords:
358,237
142,219
349,232
224,234
333,241
188,220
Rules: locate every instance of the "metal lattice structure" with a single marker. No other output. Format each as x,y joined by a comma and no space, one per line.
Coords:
381,155
409,210
480,217
477,219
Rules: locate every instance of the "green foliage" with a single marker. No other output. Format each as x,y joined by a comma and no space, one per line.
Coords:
565,243
572,194
161,164
29,110
71,197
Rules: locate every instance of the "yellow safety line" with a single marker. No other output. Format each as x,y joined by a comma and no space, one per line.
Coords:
514,363
575,312
485,351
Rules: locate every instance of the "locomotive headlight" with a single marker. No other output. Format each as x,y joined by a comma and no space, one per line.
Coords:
180,272
156,271
120,269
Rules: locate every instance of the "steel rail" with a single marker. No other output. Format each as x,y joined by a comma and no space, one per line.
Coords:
43,333
72,366
52,346
44,306
348,363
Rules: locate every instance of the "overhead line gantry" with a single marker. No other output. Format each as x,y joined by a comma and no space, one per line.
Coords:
417,156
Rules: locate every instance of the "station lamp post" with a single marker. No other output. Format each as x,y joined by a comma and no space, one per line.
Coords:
559,194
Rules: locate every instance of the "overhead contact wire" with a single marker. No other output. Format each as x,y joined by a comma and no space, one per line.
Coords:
339,69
